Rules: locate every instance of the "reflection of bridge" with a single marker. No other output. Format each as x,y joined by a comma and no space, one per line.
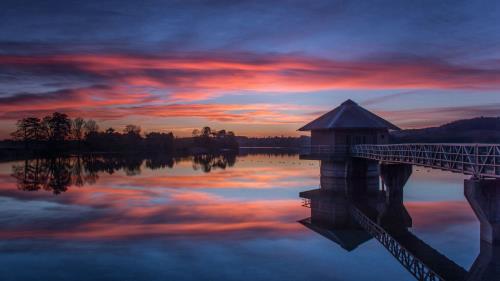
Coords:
421,260
353,146
351,211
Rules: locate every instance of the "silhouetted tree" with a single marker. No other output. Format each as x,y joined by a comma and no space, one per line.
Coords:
132,129
59,131
29,129
159,141
58,125
213,140
90,127
77,128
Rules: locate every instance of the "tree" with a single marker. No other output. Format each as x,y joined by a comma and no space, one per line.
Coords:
90,127
29,129
206,132
77,128
221,134
132,129
159,141
58,125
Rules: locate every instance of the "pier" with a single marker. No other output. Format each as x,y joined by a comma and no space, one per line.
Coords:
353,147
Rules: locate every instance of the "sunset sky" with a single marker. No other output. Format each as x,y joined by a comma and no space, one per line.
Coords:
258,68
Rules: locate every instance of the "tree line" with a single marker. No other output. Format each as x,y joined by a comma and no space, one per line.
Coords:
58,132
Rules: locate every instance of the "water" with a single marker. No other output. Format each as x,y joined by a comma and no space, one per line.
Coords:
221,218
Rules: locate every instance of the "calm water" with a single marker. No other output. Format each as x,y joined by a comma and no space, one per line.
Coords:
201,219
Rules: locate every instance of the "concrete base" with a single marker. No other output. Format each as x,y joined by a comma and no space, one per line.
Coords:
484,198
486,267
394,177
363,176
333,176
393,215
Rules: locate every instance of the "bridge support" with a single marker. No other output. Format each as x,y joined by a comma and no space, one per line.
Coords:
333,175
487,265
392,213
484,197
394,177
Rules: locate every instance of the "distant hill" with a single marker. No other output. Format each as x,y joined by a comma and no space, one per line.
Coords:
475,130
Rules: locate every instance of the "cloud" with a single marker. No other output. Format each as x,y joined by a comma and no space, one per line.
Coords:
251,72
432,116
184,85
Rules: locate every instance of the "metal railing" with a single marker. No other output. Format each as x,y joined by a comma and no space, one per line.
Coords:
415,266
479,160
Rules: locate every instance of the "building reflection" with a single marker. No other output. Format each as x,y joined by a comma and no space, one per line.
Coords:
351,211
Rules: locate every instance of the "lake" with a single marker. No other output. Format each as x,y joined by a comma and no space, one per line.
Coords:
202,218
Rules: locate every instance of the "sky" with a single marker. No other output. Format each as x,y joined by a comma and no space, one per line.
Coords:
259,68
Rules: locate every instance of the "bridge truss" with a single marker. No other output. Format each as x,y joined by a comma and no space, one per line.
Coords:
415,266
479,160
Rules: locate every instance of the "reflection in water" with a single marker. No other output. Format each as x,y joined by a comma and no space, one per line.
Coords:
159,219
54,174
58,173
348,217
207,162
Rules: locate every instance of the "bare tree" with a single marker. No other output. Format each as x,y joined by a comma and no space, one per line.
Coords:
77,128
29,129
132,129
90,127
59,126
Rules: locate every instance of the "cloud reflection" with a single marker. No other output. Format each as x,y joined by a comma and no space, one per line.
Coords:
157,203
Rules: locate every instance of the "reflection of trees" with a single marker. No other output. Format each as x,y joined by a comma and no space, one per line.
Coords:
207,162
52,174
57,174
131,164
159,162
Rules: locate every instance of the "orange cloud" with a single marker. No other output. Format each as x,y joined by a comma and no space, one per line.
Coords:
175,85
268,72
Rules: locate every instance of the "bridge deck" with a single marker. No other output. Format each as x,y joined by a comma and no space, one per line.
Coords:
480,160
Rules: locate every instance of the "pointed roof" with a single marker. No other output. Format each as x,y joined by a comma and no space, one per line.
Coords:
349,115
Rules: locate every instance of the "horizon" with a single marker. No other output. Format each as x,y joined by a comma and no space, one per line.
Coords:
121,130
253,68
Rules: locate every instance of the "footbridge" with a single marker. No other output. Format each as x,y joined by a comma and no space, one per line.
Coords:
478,160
